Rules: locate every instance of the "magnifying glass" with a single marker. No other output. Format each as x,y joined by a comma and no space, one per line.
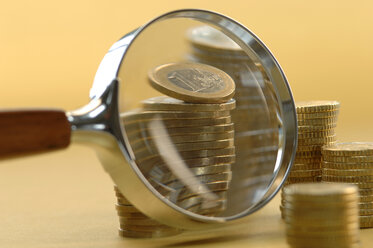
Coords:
190,115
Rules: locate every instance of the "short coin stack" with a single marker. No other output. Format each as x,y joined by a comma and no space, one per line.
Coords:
321,215
352,163
316,127
134,224
256,125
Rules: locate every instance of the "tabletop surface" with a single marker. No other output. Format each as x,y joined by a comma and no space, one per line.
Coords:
65,199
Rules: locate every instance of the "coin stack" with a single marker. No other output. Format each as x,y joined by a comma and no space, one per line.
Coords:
352,163
316,127
255,116
185,146
321,215
204,141
134,224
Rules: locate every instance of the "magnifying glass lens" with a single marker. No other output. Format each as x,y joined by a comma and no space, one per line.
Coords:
202,117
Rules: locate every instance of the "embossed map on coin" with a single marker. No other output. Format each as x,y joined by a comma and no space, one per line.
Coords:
196,80
193,82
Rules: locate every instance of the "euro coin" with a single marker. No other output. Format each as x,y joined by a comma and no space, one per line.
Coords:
349,149
316,106
192,82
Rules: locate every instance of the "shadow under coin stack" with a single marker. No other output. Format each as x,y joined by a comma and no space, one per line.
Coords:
352,162
134,224
255,116
317,121
321,215
185,147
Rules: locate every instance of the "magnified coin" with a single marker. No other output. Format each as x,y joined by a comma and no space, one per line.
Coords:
193,82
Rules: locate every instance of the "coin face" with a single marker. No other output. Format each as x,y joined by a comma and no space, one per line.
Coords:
349,149
316,106
193,82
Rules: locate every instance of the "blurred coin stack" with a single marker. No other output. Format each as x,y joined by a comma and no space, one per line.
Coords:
255,116
321,215
203,137
317,121
352,163
134,224
316,127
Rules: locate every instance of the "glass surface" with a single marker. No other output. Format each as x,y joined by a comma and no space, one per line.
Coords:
210,159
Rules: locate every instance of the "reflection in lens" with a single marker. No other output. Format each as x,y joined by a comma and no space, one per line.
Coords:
204,149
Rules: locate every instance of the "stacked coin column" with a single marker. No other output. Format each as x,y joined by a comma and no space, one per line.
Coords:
352,163
316,127
203,136
321,215
256,129
134,224
317,121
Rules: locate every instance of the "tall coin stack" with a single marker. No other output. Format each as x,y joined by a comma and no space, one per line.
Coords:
183,143
352,163
256,125
134,224
321,215
317,121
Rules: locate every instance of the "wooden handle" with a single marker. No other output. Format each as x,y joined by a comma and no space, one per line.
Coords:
28,131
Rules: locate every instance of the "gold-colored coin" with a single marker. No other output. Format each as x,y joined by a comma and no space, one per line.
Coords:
207,37
365,205
348,179
318,122
318,115
302,167
181,130
366,224
139,222
348,159
140,115
309,154
368,191
219,177
184,192
316,134
155,234
196,200
179,139
307,160
305,173
366,198
314,141
143,149
341,172
194,162
198,171
165,103
347,166
131,214
292,180
319,190
360,185
143,228
308,129
192,82
349,149
366,212
145,155
316,106
144,124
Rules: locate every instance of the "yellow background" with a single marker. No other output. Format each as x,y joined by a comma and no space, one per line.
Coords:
49,51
